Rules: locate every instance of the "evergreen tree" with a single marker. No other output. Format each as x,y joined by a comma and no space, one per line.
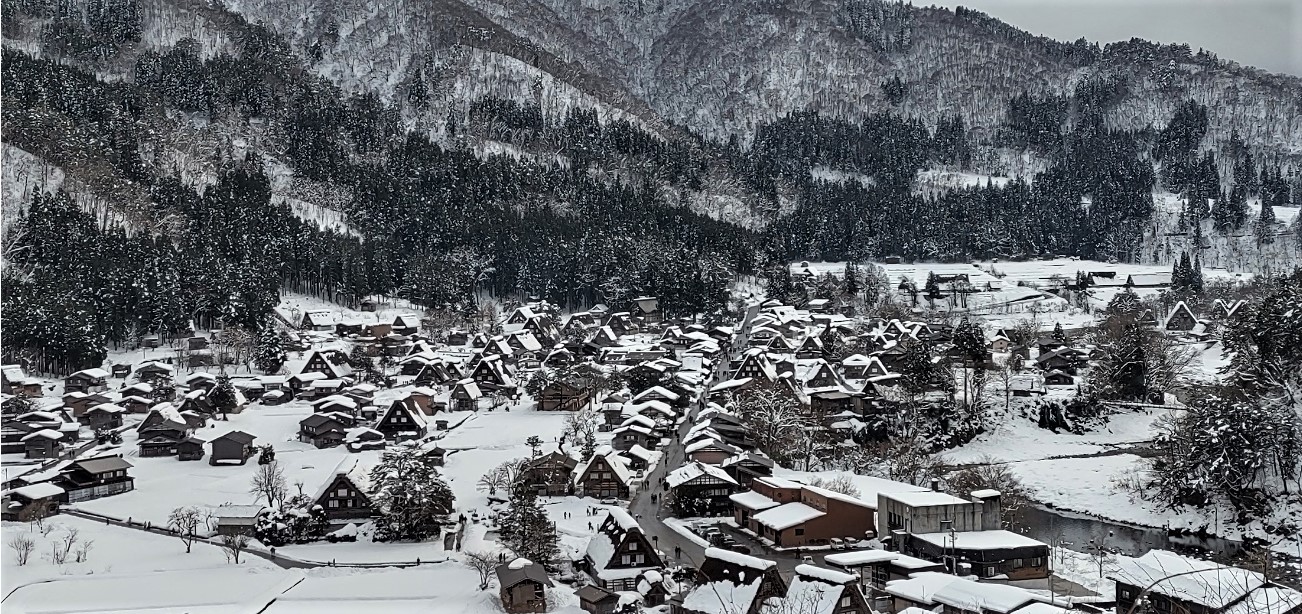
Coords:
526,530
268,353
222,396
853,279
932,287
971,341
1058,334
410,496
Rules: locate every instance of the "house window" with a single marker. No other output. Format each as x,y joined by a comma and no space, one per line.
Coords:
1037,562
342,492
631,546
846,601
800,530
1017,563
333,503
626,559
639,558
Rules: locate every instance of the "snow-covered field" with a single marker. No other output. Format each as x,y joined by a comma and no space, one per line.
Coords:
113,549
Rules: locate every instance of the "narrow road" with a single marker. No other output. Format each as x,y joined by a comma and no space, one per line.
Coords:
279,560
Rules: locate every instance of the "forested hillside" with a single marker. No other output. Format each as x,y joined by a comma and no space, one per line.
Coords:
444,151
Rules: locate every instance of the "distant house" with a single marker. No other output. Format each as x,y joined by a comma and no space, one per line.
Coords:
648,309
190,448
619,553
992,553
86,381
816,589
1226,310
550,474
104,416
597,600
95,478
562,396
1058,378
605,475
345,494
633,434
1148,280
522,586
465,395
406,324
402,421
361,439
324,430
237,519
15,381
731,582
37,499
1178,584
1181,318
43,443
702,490
319,320
233,447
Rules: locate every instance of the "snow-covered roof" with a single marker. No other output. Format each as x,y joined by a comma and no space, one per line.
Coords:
970,596
979,540
753,500
737,558
1203,582
862,557
1268,600
826,575
43,434
42,490
925,498
920,587
787,515
808,595
357,472
91,373
694,470
722,597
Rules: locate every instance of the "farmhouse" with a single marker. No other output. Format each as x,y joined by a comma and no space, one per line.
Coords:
730,582
345,494
701,490
522,586
619,553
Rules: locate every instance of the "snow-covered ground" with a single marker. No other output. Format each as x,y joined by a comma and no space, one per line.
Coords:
113,549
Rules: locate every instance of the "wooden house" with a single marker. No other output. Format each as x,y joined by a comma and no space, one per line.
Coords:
93,478
14,380
465,396
1181,318
324,430
345,494
522,586
604,476
190,448
403,421
828,591
43,443
619,553
86,381
361,439
32,501
597,600
103,416
319,320
731,582
634,434
701,490
562,396
234,447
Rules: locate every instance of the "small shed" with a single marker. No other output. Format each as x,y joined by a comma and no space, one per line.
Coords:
523,586
234,447
190,448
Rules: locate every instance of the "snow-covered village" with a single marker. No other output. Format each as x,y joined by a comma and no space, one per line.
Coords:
849,438
674,307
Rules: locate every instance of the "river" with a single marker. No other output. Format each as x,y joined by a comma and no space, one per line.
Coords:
1074,531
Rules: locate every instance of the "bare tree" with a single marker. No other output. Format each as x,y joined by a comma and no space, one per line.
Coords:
186,521
1004,373
234,546
990,473
841,483
484,563
503,477
23,545
83,551
269,483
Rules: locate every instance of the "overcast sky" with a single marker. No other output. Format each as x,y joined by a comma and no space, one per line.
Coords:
1262,33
